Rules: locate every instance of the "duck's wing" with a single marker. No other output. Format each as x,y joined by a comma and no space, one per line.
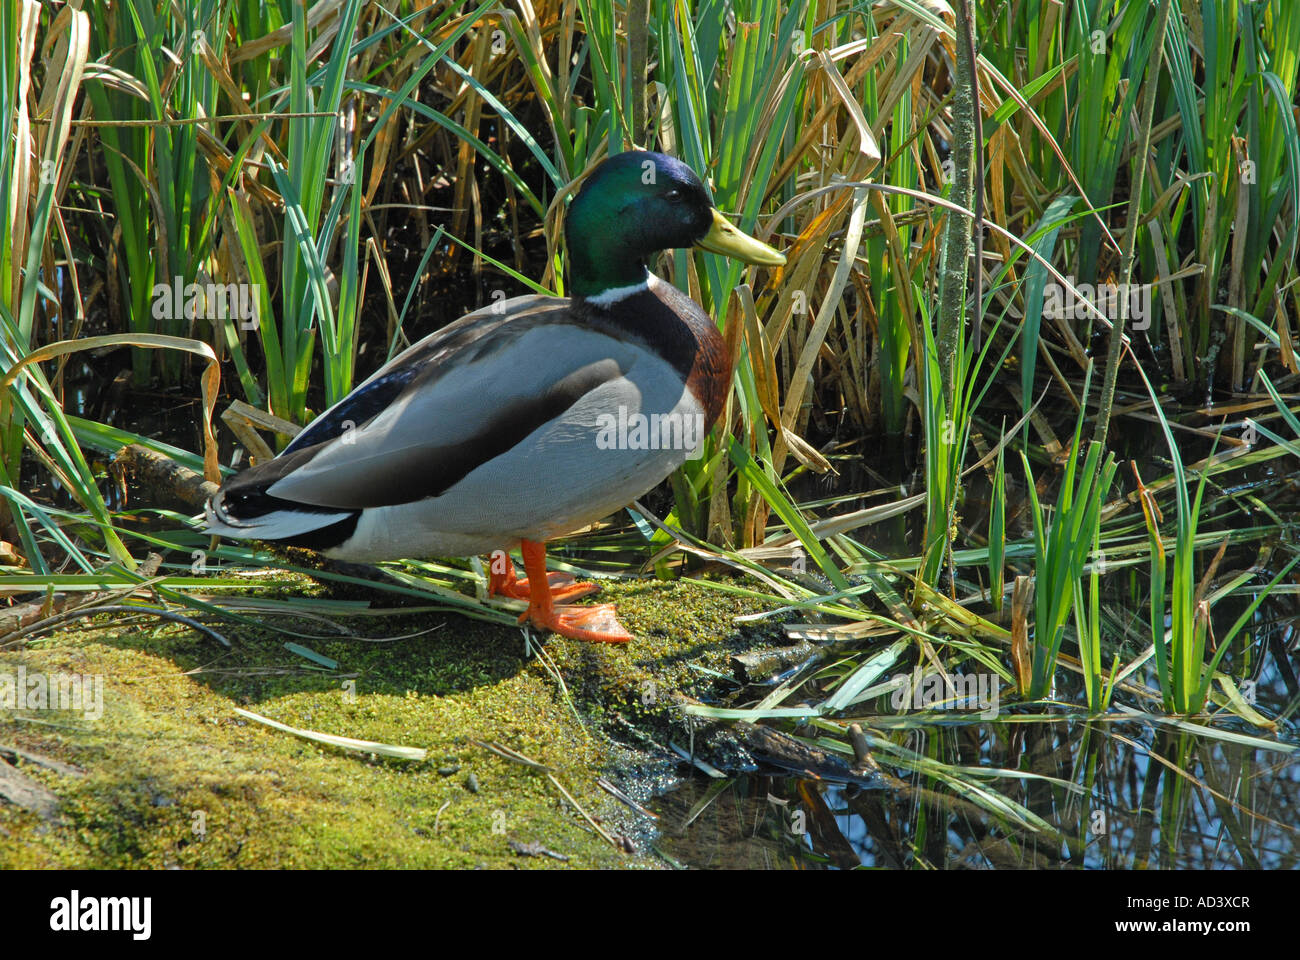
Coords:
449,404
465,340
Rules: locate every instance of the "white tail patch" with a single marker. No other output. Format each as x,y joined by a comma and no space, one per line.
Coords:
276,525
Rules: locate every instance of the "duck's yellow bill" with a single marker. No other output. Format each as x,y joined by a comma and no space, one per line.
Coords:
725,239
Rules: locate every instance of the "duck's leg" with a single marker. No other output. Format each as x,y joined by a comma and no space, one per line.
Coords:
595,624
506,584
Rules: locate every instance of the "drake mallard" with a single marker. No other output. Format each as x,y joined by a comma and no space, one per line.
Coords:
525,420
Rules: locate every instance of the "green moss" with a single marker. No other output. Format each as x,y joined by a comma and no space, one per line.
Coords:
173,777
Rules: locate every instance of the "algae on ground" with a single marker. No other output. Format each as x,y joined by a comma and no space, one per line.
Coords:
173,777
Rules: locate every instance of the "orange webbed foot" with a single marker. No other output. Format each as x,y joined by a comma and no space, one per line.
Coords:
594,624
562,586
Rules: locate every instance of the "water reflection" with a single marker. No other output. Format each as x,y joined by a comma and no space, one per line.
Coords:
1068,794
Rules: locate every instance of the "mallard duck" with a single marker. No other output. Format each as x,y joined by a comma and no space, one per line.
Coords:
525,420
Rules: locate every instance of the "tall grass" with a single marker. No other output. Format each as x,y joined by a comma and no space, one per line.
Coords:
1182,669
32,174
150,83
1062,543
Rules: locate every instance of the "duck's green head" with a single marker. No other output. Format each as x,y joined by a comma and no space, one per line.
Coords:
634,205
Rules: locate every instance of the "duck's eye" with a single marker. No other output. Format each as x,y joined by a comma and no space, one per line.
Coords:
673,196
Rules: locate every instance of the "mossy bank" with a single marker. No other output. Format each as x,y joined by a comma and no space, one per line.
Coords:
169,775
